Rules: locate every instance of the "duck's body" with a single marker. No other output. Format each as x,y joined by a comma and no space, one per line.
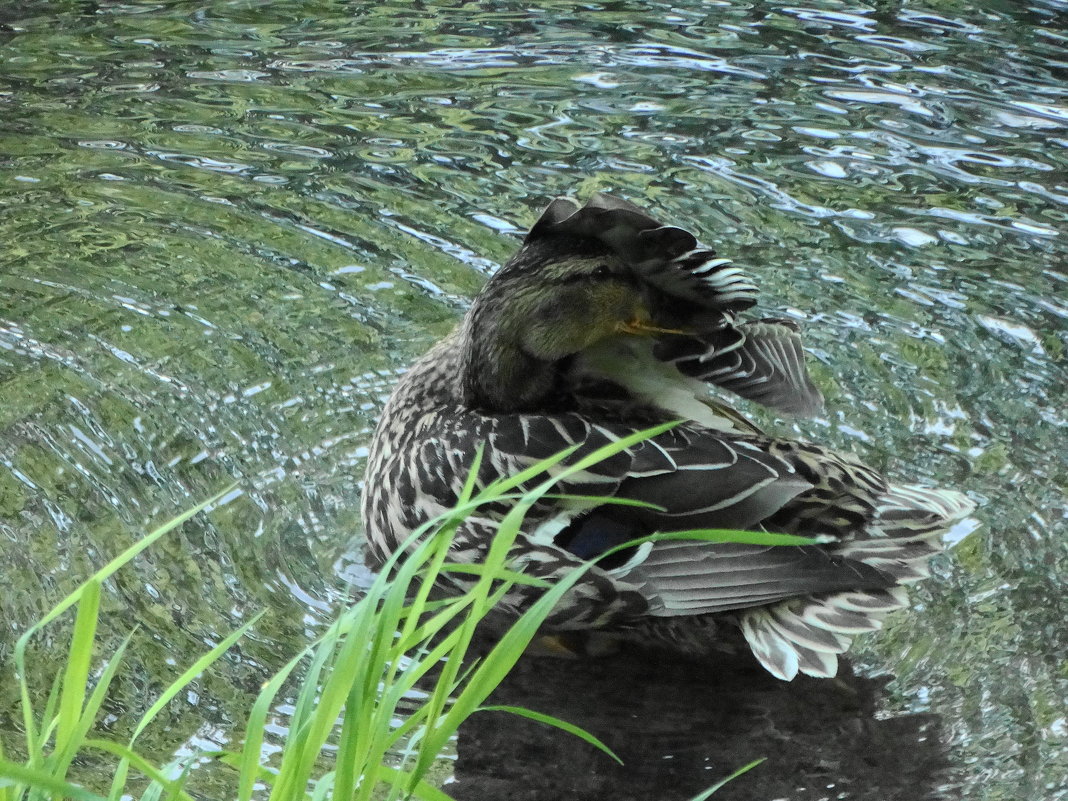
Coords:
605,324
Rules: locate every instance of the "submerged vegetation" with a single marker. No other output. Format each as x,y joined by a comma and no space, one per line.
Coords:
352,732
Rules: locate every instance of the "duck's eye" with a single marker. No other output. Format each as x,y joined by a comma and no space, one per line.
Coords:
598,273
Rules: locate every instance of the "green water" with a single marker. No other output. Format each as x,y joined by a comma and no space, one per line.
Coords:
225,227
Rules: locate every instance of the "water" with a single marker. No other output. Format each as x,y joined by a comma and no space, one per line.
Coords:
225,227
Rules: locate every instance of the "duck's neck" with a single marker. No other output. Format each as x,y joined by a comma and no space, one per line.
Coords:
496,375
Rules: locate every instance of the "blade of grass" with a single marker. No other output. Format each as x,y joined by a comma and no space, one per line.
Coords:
323,787
734,535
611,449
511,576
420,788
76,676
372,620
719,785
43,780
369,741
453,654
88,715
7,790
190,673
139,762
492,670
155,790
123,558
292,771
168,695
506,653
449,648
33,738
248,765
603,500
503,485
49,719
438,730
552,720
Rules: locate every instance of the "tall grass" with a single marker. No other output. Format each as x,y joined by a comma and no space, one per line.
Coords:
353,683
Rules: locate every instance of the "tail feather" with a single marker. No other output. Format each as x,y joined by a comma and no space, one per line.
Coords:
911,512
805,635
906,530
793,626
843,621
774,652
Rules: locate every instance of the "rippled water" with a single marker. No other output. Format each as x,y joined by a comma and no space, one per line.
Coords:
224,229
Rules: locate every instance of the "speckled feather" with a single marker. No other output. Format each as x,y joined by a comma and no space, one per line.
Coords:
797,607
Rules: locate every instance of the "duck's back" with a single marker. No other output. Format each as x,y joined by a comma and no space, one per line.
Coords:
606,323
798,607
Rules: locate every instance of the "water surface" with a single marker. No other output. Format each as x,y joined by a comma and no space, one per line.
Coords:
225,227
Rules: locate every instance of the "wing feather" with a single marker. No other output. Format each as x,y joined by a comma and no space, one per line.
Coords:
761,361
690,577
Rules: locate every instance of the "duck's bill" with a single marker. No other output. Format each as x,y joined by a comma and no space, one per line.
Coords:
638,327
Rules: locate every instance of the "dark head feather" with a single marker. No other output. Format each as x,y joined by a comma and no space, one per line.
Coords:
628,231
663,257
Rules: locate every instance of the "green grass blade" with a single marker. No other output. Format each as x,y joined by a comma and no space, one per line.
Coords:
611,449
33,738
88,714
314,718
323,790
502,574
44,780
551,720
472,475
194,670
724,535
248,766
118,781
49,718
500,660
147,768
441,725
731,535
125,557
719,785
234,760
360,755
419,789
7,790
155,790
603,500
76,676
505,484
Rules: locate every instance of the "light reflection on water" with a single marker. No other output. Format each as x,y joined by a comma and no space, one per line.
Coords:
226,229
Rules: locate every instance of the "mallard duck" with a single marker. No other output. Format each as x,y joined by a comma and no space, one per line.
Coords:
606,322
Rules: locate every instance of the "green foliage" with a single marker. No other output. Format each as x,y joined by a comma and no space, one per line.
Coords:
351,684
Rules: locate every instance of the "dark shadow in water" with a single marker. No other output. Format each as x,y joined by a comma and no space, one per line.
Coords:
680,725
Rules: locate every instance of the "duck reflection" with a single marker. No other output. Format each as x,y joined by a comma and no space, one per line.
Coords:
680,727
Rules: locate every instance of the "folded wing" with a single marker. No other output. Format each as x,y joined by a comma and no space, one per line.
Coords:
762,361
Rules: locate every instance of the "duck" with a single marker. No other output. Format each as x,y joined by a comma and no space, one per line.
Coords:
607,322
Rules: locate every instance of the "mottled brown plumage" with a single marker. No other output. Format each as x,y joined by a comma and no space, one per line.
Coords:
604,323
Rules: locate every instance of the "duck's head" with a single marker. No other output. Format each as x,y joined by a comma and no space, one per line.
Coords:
582,276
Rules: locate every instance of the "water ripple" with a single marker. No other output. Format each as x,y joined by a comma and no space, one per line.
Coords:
227,230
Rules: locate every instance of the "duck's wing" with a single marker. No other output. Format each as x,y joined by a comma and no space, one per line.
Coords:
695,475
689,478
798,606
762,361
